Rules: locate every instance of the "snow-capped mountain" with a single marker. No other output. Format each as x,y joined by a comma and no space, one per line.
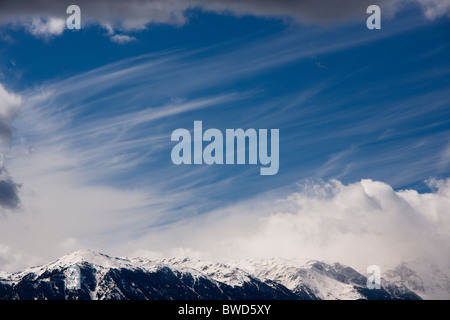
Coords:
428,280
105,277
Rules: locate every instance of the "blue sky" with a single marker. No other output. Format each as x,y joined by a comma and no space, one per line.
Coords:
96,115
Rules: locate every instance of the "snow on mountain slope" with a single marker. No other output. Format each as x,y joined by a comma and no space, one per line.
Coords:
428,280
96,259
220,272
297,275
105,277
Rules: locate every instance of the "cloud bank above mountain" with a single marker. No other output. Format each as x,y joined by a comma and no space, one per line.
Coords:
360,224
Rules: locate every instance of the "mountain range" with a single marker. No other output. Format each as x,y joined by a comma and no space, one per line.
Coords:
103,277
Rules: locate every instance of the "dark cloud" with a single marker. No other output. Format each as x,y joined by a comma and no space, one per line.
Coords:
304,11
9,190
137,14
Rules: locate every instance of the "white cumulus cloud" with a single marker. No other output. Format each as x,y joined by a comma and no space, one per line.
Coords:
46,28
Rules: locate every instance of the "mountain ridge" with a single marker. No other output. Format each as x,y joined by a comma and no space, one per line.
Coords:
106,277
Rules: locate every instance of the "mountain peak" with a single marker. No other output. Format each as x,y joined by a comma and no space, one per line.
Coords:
95,258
